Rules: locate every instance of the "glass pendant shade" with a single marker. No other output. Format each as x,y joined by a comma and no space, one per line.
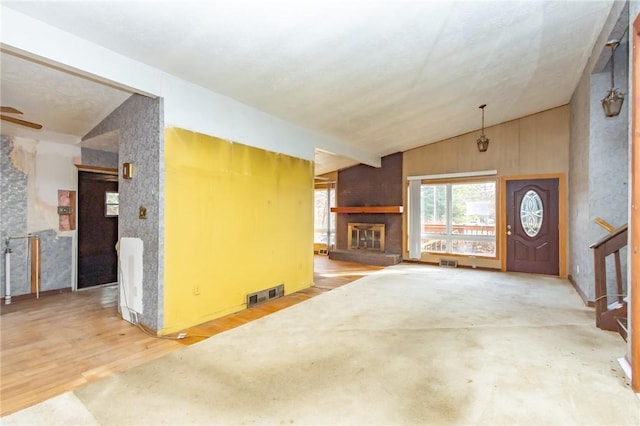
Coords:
482,141
612,103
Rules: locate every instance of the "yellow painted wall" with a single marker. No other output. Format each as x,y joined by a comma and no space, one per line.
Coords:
237,220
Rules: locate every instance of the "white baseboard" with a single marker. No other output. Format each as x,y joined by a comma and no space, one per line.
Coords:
626,367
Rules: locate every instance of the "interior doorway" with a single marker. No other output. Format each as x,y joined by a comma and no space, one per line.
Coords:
97,229
532,226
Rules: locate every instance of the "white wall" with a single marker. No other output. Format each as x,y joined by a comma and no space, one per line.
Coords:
54,170
634,13
49,167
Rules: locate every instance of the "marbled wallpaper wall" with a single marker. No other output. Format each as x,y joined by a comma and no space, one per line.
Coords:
56,267
139,121
580,259
98,158
18,198
609,160
599,171
13,218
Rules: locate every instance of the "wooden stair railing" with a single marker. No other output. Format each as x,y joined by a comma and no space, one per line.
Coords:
607,319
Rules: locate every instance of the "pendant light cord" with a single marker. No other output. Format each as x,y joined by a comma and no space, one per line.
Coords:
614,46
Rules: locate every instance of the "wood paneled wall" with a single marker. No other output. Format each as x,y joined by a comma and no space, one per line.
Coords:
530,146
536,144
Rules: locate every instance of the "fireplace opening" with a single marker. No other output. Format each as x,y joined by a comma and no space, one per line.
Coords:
365,236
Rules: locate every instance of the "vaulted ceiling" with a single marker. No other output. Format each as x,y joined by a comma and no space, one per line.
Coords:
384,76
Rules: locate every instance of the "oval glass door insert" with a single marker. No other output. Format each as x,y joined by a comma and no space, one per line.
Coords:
531,213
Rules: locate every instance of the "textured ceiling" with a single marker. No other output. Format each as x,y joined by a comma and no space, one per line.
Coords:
66,105
384,76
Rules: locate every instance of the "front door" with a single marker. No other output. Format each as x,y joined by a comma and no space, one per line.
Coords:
97,230
533,226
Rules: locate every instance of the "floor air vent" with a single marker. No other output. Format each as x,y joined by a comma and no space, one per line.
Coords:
449,263
262,296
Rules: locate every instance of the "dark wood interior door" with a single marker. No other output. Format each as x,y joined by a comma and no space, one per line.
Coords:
97,233
533,236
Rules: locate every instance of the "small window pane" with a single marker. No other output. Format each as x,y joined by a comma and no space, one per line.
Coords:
111,204
531,213
112,198
433,209
433,245
474,208
112,210
324,221
480,248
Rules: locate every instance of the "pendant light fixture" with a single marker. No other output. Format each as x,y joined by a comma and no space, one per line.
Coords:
612,103
482,141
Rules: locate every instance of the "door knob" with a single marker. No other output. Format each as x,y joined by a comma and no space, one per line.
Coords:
508,232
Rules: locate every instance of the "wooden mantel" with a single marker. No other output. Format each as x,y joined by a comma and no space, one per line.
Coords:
368,209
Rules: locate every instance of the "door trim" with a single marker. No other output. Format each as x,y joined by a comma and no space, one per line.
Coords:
634,256
562,218
96,169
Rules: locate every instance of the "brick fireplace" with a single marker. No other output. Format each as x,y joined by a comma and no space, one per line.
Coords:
371,199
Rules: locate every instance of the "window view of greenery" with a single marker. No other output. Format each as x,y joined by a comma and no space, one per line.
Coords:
324,220
459,218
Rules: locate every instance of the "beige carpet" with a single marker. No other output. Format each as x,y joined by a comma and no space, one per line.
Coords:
411,344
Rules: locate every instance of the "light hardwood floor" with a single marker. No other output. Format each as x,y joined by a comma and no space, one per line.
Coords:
61,342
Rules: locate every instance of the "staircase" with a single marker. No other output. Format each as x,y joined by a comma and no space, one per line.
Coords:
613,316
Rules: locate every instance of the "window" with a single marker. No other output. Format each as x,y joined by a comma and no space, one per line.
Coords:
111,204
324,221
458,218
531,211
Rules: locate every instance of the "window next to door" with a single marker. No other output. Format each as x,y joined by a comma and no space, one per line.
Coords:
324,220
457,217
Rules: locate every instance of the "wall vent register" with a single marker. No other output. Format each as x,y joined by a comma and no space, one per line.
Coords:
449,263
266,295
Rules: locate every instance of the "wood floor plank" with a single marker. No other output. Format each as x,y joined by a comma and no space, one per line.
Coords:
65,340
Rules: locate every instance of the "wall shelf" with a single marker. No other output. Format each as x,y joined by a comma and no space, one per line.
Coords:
368,209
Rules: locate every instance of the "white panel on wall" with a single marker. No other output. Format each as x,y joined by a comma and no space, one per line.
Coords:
414,219
130,273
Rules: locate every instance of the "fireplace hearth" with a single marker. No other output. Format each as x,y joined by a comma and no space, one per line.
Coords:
366,244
